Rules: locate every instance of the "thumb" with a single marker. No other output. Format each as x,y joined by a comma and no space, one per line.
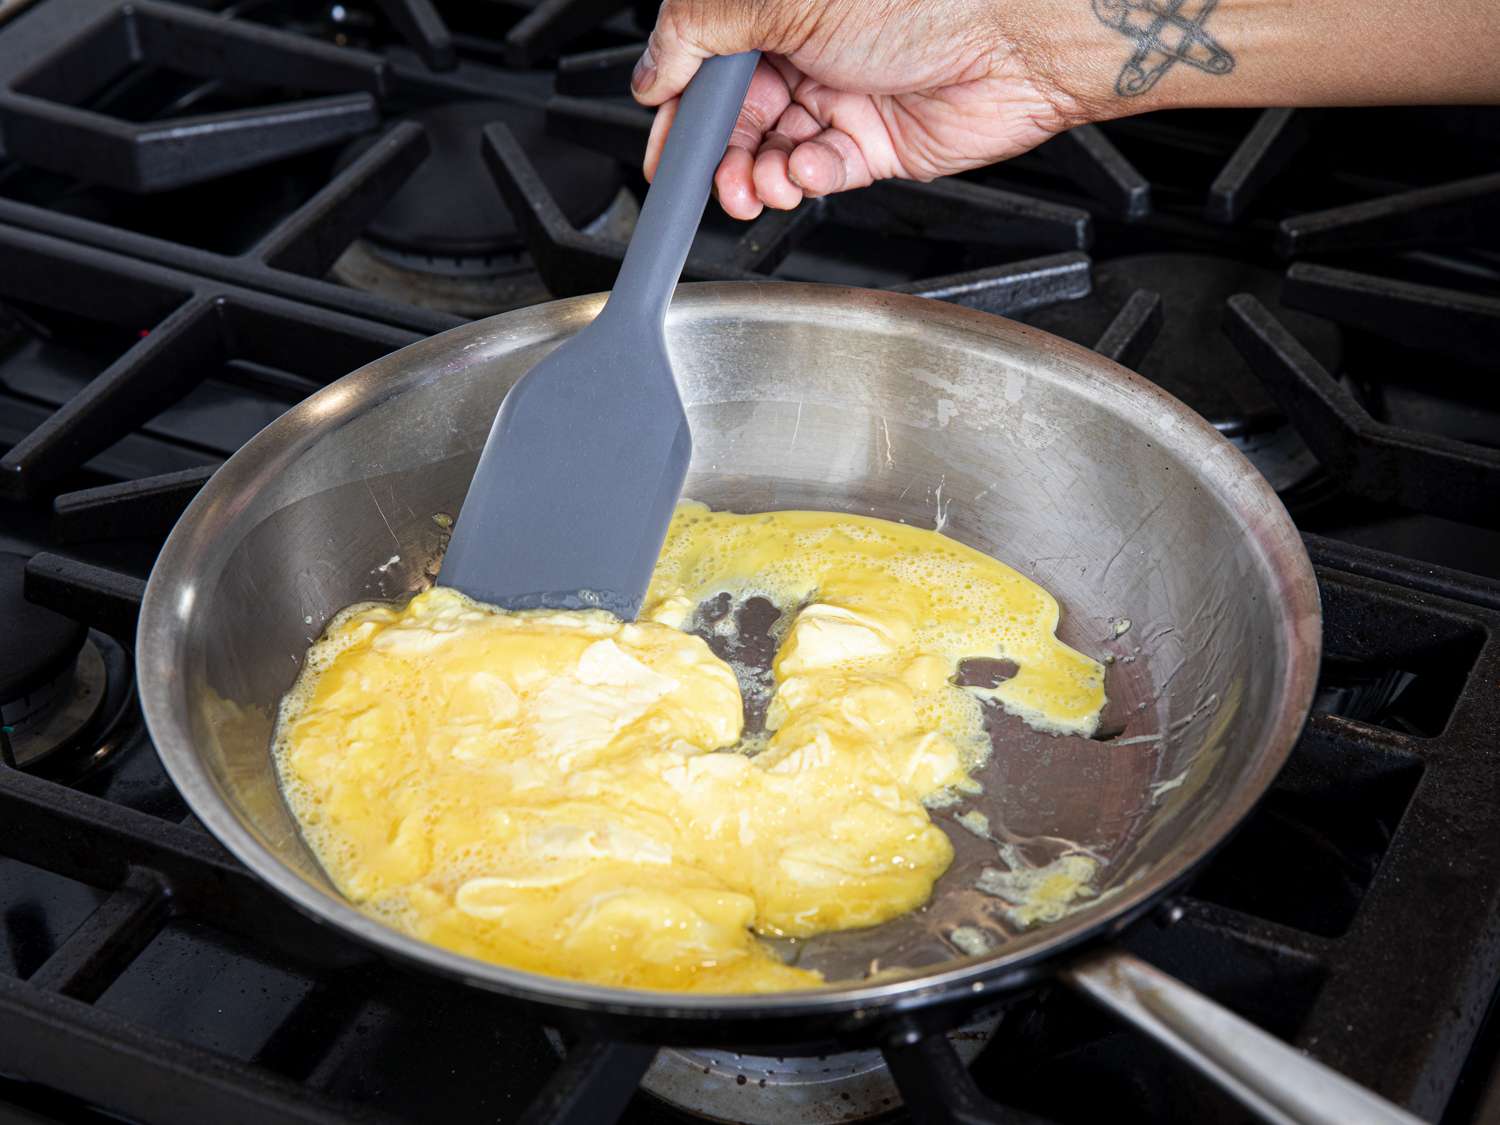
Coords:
686,33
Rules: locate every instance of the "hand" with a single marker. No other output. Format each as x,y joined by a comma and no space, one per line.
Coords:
853,91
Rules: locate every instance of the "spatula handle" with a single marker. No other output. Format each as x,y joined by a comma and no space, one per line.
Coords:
674,204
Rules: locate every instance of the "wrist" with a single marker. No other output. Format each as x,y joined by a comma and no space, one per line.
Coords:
1104,59
1114,58
1074,60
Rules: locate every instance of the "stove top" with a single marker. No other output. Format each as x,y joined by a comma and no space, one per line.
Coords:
209,211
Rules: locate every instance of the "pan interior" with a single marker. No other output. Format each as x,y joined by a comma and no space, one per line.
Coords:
1172,562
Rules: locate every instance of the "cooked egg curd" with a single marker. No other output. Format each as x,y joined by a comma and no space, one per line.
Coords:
568,794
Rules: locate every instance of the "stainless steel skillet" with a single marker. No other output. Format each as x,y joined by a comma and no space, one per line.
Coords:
1170,556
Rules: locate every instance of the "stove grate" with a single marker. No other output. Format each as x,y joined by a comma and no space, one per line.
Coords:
189,331
290,259
146,508
1463,326
421,25
1373,459
1458,213
553,24
573,262
1272,143
49,122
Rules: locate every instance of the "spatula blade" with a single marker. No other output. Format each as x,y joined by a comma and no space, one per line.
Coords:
577,481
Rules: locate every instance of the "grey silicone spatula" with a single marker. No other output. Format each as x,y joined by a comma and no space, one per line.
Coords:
578,479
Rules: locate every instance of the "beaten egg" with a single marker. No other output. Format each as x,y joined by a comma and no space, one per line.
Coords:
569,794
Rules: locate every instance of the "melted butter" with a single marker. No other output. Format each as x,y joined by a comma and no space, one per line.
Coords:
541,789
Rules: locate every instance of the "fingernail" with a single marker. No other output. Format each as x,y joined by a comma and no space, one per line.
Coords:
644,73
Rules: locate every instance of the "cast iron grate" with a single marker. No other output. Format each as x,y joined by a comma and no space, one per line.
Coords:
294,256
49,118
571,261
1085,169
1423,472
170,336
84,109
266,353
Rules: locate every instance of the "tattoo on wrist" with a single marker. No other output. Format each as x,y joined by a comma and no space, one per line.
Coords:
1163,33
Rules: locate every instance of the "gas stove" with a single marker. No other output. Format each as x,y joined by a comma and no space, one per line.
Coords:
209,211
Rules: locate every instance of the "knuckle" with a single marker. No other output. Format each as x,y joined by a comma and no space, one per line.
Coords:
781,25
717,26
680,27
664,34
692,24
753,119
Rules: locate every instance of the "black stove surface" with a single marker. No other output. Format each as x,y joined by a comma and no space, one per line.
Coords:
1326,297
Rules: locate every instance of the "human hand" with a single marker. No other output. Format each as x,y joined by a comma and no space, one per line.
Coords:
853,91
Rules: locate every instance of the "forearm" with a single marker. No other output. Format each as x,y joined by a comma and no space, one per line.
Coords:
1117,57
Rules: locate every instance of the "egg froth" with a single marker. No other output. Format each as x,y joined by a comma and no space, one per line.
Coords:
570,794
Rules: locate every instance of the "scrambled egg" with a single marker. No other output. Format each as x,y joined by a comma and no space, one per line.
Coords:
543,789
1039,894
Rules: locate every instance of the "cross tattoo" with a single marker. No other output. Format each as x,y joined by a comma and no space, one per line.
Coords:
1164,32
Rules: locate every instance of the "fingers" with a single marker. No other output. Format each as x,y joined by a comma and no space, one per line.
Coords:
766,100
780,151
853,150
827,163
666,113
686,33
734,186
773,185
778,167
661,74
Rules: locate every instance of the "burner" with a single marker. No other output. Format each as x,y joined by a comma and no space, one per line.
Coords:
467,287
446,240
717,1084
52,675
793,1090
1193,358
369,268
449,208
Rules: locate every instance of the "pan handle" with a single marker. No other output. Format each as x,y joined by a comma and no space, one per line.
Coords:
1274,1080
